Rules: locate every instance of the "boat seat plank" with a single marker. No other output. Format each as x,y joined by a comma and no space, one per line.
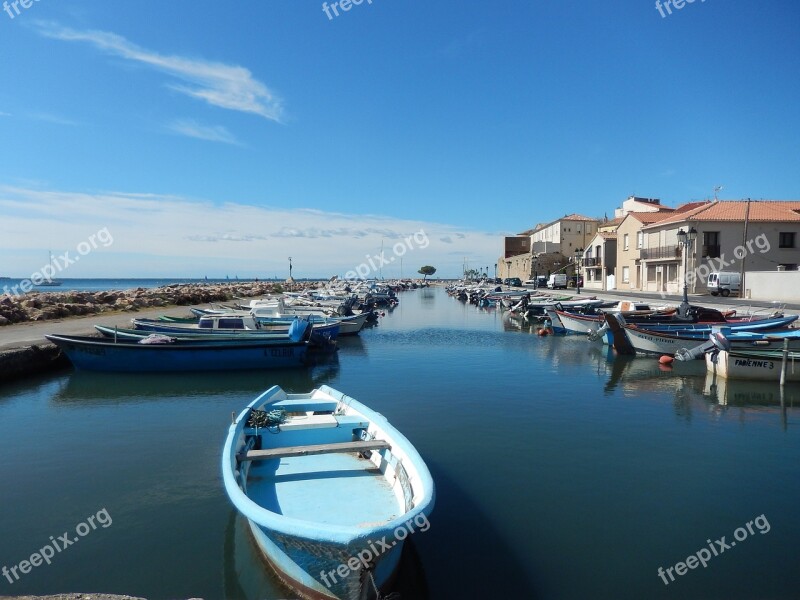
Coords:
290,451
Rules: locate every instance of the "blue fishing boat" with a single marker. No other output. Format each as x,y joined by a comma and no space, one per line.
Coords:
329,488
102,354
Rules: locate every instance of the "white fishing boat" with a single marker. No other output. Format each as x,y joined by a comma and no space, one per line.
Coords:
754,365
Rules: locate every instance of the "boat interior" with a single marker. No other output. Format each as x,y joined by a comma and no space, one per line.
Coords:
319,460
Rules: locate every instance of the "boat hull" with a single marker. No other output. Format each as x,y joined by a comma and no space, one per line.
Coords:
127,357
751,366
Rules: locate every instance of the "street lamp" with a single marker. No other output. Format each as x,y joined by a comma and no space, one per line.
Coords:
578,260
686,240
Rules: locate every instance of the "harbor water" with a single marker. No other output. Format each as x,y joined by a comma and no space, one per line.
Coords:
560,470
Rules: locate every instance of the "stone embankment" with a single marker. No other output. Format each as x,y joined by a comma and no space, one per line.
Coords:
58,305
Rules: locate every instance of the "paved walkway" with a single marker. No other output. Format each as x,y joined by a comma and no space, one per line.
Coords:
740,304
28,334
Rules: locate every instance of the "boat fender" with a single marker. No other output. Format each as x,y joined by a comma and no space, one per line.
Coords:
666,360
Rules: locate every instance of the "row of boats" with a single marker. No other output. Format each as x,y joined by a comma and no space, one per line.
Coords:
330,490
739,346
290,330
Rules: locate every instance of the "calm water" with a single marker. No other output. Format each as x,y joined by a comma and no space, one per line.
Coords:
560,472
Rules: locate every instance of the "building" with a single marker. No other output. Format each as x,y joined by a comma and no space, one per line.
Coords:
629,245
563,235
551,247
737,235
600,257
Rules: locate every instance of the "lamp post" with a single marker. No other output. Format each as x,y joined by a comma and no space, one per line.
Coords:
578,260
686,241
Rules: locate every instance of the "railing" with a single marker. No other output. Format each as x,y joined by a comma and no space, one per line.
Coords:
711,251
592,262
661,252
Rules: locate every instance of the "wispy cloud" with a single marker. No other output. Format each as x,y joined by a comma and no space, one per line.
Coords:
211,133
52,118
162,235
4,114
226,86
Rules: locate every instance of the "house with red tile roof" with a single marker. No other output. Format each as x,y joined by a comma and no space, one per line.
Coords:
731,235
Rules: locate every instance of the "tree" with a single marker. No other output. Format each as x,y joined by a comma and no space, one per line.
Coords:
427,270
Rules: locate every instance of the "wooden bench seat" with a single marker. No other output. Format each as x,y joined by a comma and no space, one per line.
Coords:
290,451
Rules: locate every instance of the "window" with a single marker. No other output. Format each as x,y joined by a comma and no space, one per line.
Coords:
786,239
625,244
639,240
711,244
231,324
626,273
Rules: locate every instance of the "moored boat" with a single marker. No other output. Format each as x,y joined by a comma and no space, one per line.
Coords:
102,354
756,365
321,479
662,338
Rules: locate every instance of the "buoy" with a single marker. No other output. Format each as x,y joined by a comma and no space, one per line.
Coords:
666,360
543,331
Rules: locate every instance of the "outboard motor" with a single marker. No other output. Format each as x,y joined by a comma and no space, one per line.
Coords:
299,330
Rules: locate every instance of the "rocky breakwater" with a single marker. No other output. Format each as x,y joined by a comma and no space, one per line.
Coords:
18,362
46,306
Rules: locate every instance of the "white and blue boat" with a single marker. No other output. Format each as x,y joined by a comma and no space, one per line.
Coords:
329,488
243,326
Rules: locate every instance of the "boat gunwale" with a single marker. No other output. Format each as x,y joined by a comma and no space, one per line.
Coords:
200,344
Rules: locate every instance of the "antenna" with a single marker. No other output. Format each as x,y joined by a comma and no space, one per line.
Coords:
717,189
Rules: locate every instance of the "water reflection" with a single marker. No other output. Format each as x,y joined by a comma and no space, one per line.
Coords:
247,576
85,387
759,396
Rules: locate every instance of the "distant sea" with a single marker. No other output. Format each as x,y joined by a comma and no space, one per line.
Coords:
99,285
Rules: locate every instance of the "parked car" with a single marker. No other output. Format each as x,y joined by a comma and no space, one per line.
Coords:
513,281
724,283
557,281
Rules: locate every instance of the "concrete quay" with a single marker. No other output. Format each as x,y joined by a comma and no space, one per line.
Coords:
24,350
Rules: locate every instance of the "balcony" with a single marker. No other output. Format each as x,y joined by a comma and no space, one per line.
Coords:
661,253
591,262
711,251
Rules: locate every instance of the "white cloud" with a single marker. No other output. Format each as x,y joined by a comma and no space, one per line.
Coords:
226,86
159,235
211,133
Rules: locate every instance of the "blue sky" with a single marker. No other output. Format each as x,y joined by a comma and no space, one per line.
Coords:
217,138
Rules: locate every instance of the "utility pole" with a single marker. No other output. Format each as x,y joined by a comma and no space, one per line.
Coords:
744,242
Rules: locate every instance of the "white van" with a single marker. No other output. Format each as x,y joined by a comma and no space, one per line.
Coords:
557,280
724,283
